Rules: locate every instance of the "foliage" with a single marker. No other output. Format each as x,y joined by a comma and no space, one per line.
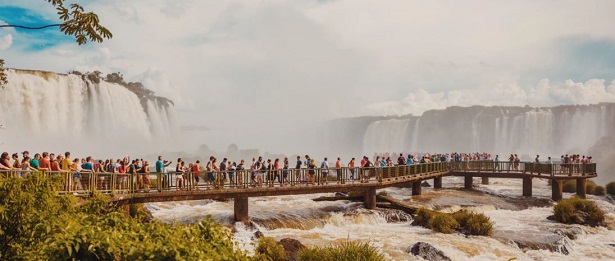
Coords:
82,25
570,186
465,221
590,187
269,249
38,224
383,193
443,223
578,211
348,250
3,79
610,188
600,191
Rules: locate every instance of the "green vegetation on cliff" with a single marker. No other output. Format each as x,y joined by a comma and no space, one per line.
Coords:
462,221
578,211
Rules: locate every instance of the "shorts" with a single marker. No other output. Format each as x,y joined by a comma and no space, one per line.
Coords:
211,175
196,178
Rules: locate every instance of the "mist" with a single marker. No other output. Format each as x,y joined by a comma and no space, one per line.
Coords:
270,74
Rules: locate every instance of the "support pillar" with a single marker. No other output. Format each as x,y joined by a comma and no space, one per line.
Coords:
416,188
581,187
370,198
527,186
126,210
437,183
557,189
485,180
241,209
468,182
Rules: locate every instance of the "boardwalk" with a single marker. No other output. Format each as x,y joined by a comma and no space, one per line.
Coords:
128,189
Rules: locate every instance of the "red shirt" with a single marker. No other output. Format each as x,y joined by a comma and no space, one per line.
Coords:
45,164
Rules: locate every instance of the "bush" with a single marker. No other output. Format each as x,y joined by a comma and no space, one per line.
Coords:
590,187
578,211
479,224
383,193
422,217
270,249
443,223
345,251
610,188
600,191
37,224
570,186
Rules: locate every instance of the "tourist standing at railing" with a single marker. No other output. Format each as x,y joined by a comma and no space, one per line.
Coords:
76,167
297,175
409,160
196,172
211,176
311,171
268,172
231,173
66,162
44,163
338,169
377,162
16,163
276,170
216,169
161,167
144,170
241,173
537,160
55,163
4,161
179,174
122,180
285,170
368,164
87,168
223,170
324,166
351,168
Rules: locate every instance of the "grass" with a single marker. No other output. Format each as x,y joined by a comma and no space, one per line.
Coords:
349,250
464,221
600,191
269,249
610,188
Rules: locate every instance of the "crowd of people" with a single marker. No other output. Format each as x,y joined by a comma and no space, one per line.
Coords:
215,174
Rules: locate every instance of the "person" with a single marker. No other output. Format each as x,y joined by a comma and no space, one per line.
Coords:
215,169
66,162
368,164
122,178
324,166
401,160
87,168
241,167
285,172
537,160
211,176
351,168
511,162
161,167
77,176
34,162
338,169
517,161
144,170
409,160
55,163
44,163
196,172
377,162
231,173
311,171
276,172
179,172
223,170
297,169
496,163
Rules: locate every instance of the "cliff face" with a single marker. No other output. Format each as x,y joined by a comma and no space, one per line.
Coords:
499,130
49,110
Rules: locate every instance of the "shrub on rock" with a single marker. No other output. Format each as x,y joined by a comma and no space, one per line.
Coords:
443,223
600,191
610,188
578,211
570,186
270,249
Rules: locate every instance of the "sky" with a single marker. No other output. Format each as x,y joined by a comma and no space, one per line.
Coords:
240,70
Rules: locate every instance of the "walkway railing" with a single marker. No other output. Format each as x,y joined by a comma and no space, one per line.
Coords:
554,169
81,183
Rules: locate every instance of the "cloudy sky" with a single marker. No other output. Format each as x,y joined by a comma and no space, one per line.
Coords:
233,65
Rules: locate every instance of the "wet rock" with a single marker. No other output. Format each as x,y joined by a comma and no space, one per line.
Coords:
425,184
611,245
571,233
428,252
340,194
258,234
531,240
291,246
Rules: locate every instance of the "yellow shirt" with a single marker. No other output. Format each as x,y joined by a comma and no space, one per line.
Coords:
66,164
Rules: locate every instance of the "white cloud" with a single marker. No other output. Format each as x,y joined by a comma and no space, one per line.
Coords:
544,94
6,42
232,65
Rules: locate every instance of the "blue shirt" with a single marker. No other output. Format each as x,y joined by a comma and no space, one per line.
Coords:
159,167
34,163
409,161
88,166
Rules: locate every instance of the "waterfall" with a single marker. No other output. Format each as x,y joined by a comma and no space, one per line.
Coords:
56,112
414,146
386,136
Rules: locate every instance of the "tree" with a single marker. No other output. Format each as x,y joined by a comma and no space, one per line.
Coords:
84,26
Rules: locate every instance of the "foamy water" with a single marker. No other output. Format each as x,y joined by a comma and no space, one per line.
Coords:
320,223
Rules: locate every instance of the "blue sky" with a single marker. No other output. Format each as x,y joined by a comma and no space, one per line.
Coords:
337,58
32,40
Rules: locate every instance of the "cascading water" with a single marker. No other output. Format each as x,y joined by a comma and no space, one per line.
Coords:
56,112
387,135
503,130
